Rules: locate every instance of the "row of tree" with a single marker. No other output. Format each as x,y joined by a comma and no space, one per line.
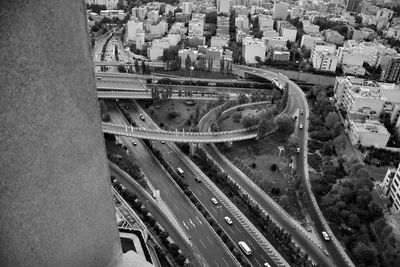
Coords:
170,248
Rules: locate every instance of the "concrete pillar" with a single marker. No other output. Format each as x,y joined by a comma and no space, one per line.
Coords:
56,207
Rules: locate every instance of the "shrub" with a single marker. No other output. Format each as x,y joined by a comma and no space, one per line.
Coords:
236,116
274,167
172,114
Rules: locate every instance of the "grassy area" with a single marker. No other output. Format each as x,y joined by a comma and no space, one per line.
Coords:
182,121
198,74
227,123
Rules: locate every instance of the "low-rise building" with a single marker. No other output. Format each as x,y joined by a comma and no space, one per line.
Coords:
391,187
119,14
219,41
324,61
280,55
333,37
368,133
309,40
240,35
309,27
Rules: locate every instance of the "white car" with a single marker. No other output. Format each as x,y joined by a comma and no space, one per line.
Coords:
214,200
301,126
326,236
228,220
141,117
267,264
134,143
162,142
298,150
301,112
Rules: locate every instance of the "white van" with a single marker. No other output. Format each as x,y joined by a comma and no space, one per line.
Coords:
245,248
180,172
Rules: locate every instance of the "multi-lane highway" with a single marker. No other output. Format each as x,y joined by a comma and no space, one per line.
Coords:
236,231
211,250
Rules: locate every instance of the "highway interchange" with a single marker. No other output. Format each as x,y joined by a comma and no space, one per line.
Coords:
202,236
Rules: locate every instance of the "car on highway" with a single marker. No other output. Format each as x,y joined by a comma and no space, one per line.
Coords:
197,179
298,150
301,126
162,142
326,236
267,264
98,78
228,220
141,117
301,112
214,200
134,143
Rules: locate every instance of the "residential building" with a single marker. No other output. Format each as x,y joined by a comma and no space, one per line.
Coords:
138,13
119,14
242,23
349,69
391,187
368,133
323,46
288,31
355,94
222,25
133,27
110,4
153,16
256,10
187,8
224,6
253,48
196,27
309,40
240,35
241,10
333,37
309,27
156,50
351,55
275,41
280,10
196,40
297,11
391,69
140,39
174,39
219,41
280,55
270,32
178,28
353,6
265,22
324,61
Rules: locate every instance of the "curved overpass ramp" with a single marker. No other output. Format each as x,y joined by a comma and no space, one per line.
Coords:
180,137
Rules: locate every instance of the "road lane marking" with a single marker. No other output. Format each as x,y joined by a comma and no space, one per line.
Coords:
199,220
184,224
259,264
203,244
225,262
237,228
216,263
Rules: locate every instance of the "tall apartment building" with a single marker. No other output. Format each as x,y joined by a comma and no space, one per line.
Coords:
133,27
187,8
288,31
224,6
242,23
353,5
138,13
196,27
222,25
253,48
333,37
391,70
391,187
280,10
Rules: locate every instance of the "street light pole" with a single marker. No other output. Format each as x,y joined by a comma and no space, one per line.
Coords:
281,148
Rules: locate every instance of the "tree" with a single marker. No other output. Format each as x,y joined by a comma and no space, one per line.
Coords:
242,99
285,124
354,221
249,120
143,67
188,62
331,120
265,126
136,66
236,116
365,254
292,145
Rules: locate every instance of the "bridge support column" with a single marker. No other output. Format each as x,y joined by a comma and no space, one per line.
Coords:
193,147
